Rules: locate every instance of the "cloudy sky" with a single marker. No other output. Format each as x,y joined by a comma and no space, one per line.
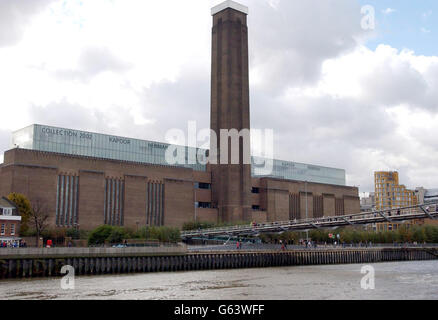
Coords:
336,94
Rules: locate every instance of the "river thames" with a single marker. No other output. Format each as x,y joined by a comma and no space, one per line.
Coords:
393,281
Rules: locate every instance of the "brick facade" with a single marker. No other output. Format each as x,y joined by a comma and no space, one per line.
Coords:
9,228
36,175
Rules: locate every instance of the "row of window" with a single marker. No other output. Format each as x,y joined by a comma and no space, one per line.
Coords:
157,156
208,205
204,186
6,211
297,171
114,202
67,200
389,193
204,205
3,229
386,227
155,204
207,186
68,194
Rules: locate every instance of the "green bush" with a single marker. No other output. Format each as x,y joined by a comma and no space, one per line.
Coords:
99,235
431,234
117,235
163,234
405,233
114,234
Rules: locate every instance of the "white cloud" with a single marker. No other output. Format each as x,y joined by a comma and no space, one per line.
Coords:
15,16
388,11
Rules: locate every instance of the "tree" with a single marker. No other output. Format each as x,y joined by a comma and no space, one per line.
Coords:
99,235
419,234
39,217
24,210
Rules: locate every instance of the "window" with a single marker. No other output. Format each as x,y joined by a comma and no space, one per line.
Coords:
255,190
205,186
256,208
13,229
205,205
2,229
7,211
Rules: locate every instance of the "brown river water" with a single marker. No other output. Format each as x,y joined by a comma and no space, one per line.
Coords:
393,281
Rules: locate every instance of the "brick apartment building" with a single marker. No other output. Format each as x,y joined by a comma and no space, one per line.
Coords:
9,220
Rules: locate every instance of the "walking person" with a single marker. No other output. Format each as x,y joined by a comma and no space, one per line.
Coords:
283,246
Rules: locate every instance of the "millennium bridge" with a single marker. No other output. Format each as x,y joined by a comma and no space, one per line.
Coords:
396,215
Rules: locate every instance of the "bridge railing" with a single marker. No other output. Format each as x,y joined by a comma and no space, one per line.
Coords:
313,246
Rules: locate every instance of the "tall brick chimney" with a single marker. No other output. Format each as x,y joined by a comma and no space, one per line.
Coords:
231,183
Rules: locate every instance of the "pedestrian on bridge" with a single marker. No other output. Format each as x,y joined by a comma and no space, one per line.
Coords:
283,246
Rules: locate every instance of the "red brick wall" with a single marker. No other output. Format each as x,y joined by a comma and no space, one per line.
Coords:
35,175
179,205
278,206
91,200
135,201
8,224
206,215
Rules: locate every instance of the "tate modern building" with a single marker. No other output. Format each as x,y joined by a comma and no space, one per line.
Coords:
88,179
